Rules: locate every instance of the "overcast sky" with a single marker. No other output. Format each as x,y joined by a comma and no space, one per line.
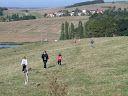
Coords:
42,3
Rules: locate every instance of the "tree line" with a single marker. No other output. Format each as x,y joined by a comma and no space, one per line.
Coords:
13,17
16,17
113,22
2,10
69,31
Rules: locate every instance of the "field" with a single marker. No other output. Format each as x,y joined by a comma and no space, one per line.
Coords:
42,28
34,30
99,71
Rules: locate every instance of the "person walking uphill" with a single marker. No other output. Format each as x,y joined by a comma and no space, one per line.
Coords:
45,58
59,59
92,43
24,64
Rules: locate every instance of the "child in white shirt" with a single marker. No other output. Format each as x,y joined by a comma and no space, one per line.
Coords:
24,64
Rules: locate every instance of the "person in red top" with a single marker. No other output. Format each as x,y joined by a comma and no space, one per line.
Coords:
59,59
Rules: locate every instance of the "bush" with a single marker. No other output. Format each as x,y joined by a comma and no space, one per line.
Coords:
111,22
57,88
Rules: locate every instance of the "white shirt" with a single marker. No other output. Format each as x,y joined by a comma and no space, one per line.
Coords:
24,61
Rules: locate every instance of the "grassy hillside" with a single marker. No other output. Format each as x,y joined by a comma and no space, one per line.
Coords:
101,6
99,71
31,30
85,3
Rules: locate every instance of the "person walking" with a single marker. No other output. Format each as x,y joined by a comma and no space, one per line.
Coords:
92,43
45,58
59,59
24,64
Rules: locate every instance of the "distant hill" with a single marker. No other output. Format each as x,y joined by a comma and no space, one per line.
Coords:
85,3
122,1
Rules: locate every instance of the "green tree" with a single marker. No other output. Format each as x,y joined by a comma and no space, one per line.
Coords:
15,17
2,19
62,35
122,28
66,29
85,31
80,32
1,13
45,15
69,32
72,31
76,11
102,26
66,12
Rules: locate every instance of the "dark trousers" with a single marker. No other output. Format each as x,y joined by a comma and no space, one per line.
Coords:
24,68
45,62
59,62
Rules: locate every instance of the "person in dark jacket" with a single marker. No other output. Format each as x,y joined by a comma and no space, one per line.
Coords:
45,58
92,43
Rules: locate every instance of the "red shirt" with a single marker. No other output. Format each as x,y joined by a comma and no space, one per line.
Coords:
59,58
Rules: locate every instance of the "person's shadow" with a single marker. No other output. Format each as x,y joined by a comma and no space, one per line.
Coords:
63,64
51,66
56,65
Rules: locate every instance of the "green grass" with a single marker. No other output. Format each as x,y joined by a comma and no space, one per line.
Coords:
99,71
